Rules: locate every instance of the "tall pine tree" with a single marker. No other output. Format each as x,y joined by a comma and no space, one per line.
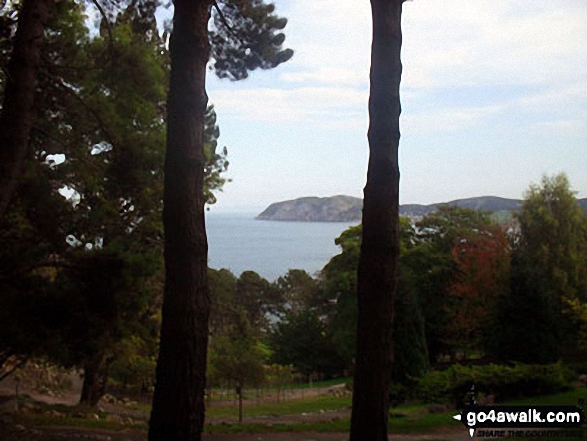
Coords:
17,113
378,262
243,38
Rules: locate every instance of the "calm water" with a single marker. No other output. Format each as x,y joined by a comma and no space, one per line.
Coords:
238,242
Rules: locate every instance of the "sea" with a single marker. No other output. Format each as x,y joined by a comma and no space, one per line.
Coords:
239,242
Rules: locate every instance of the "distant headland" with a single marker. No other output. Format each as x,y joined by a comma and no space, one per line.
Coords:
348,209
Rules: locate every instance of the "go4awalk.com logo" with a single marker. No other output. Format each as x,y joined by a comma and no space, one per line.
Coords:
522,421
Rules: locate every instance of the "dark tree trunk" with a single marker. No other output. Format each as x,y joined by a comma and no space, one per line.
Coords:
178,402
94,385
239,392
17,113
378,263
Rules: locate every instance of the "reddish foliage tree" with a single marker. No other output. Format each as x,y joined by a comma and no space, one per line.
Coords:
483,263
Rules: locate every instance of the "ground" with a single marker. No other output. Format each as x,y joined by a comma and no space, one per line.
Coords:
60,434
27,423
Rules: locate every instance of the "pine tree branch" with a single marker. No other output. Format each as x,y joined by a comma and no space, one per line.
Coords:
108,28
95,114
223,18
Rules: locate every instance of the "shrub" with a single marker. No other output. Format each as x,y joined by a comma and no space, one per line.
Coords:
502,382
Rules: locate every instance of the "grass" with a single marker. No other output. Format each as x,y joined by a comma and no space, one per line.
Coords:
414,418
335,426
569,398
289,407
405,419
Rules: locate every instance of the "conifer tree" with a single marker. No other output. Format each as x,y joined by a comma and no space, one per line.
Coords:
243,38
106,120
378,262
17,112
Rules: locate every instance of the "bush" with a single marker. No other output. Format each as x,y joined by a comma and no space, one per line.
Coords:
502,382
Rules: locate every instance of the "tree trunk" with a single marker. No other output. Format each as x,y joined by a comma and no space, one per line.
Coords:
17,112
239,392
378,262
95,378
178,402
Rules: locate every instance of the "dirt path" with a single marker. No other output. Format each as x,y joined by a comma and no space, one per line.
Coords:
60,434
460,435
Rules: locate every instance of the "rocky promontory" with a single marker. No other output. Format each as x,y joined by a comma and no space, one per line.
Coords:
315,209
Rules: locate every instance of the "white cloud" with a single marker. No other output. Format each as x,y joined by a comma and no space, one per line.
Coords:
556,95
479,42
331,105
562,127
327,75
331,40
447,119
447,43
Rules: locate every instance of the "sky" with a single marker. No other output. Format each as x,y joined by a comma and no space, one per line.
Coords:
494,95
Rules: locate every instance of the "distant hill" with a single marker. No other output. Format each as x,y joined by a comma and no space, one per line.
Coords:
348,208
485,203
314,209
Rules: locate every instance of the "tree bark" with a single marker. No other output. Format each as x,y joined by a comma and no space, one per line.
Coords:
94,385
178,402
239,392
17,112
378,262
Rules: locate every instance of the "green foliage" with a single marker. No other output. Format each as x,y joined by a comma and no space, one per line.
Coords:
252,41
461,267
99,301
339,282
299,291
301,340
134,365
432,271
216,162
502,382
448,224
236,357
553,234
549,276
101,106
222,293
279,375
411,357
529,328
259,299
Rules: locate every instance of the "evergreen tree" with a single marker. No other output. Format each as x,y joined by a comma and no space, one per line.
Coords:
378,263
243,38
302,341
17,114
339,278
106,120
